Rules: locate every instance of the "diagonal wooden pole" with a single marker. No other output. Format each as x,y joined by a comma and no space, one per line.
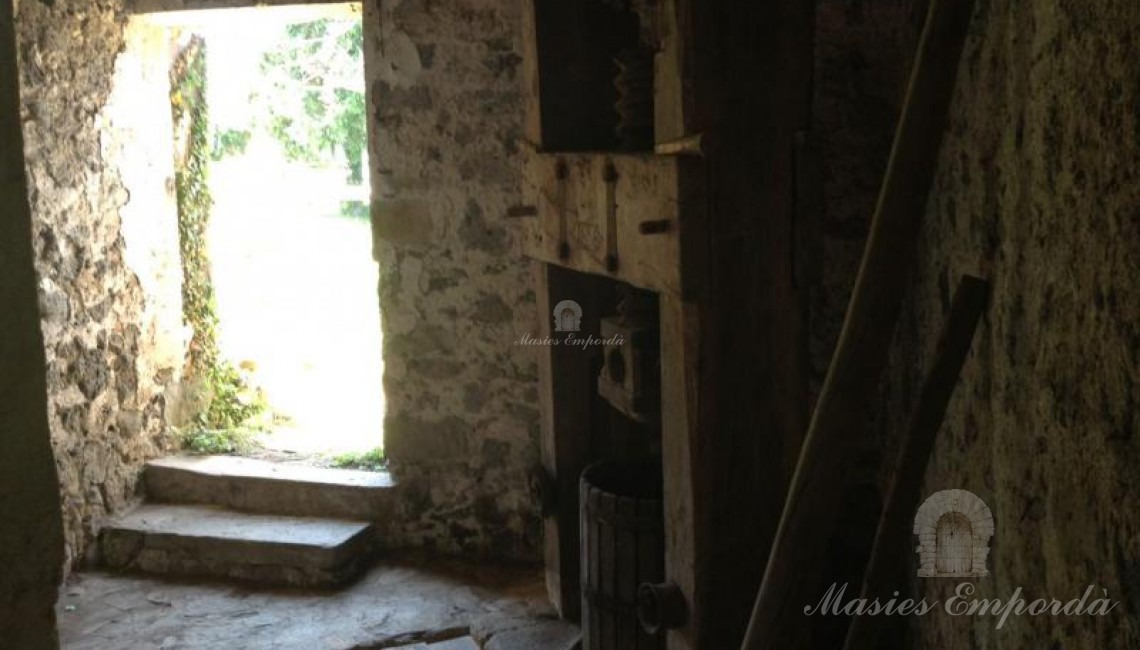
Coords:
797,553
892,538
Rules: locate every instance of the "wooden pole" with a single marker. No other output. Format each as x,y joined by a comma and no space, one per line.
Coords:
891,540
797,553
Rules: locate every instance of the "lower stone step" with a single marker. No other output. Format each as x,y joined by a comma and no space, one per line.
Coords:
216,542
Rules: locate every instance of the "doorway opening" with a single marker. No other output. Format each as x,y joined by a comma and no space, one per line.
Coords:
269,113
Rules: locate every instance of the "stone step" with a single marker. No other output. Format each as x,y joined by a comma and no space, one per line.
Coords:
271,488
216,542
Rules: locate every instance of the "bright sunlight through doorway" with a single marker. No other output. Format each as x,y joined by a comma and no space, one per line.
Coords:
289,236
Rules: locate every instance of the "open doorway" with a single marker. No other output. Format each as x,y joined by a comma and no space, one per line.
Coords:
293,311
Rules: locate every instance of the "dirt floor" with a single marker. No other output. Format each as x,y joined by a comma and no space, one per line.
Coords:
409,602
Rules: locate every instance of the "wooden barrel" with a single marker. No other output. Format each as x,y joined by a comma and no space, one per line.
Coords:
623,546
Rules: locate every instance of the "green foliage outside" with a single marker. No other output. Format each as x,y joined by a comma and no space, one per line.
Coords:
372,461
355,210
230,142
231,402
219,441
312,94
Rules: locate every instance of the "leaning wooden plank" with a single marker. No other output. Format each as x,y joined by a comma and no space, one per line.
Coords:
778,618
893,536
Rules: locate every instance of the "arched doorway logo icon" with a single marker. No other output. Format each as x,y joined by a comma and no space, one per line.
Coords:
954,528
567,316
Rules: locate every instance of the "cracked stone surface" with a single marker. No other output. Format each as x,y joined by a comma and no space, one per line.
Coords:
410,602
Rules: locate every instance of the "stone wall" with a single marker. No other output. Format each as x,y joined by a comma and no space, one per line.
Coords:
105,387
461,429
455,293
31,537
1037,191
137,111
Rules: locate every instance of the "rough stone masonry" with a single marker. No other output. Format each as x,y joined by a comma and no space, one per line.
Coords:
105,395
455,293
446,108
1036,191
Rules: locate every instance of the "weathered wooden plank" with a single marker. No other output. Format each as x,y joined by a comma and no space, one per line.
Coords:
532,126
679,389
892,540
809,515
752,381
672,111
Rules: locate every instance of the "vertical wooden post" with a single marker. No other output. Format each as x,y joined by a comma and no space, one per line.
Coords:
679,341
808,519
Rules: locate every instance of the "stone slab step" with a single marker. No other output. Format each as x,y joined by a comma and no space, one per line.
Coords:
216,542
271,488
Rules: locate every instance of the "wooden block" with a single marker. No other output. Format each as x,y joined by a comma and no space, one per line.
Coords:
571,230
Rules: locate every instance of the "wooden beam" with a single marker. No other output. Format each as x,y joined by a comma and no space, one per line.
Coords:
672,110
903,495
679,390
532,125
575,208
749,95
808,519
